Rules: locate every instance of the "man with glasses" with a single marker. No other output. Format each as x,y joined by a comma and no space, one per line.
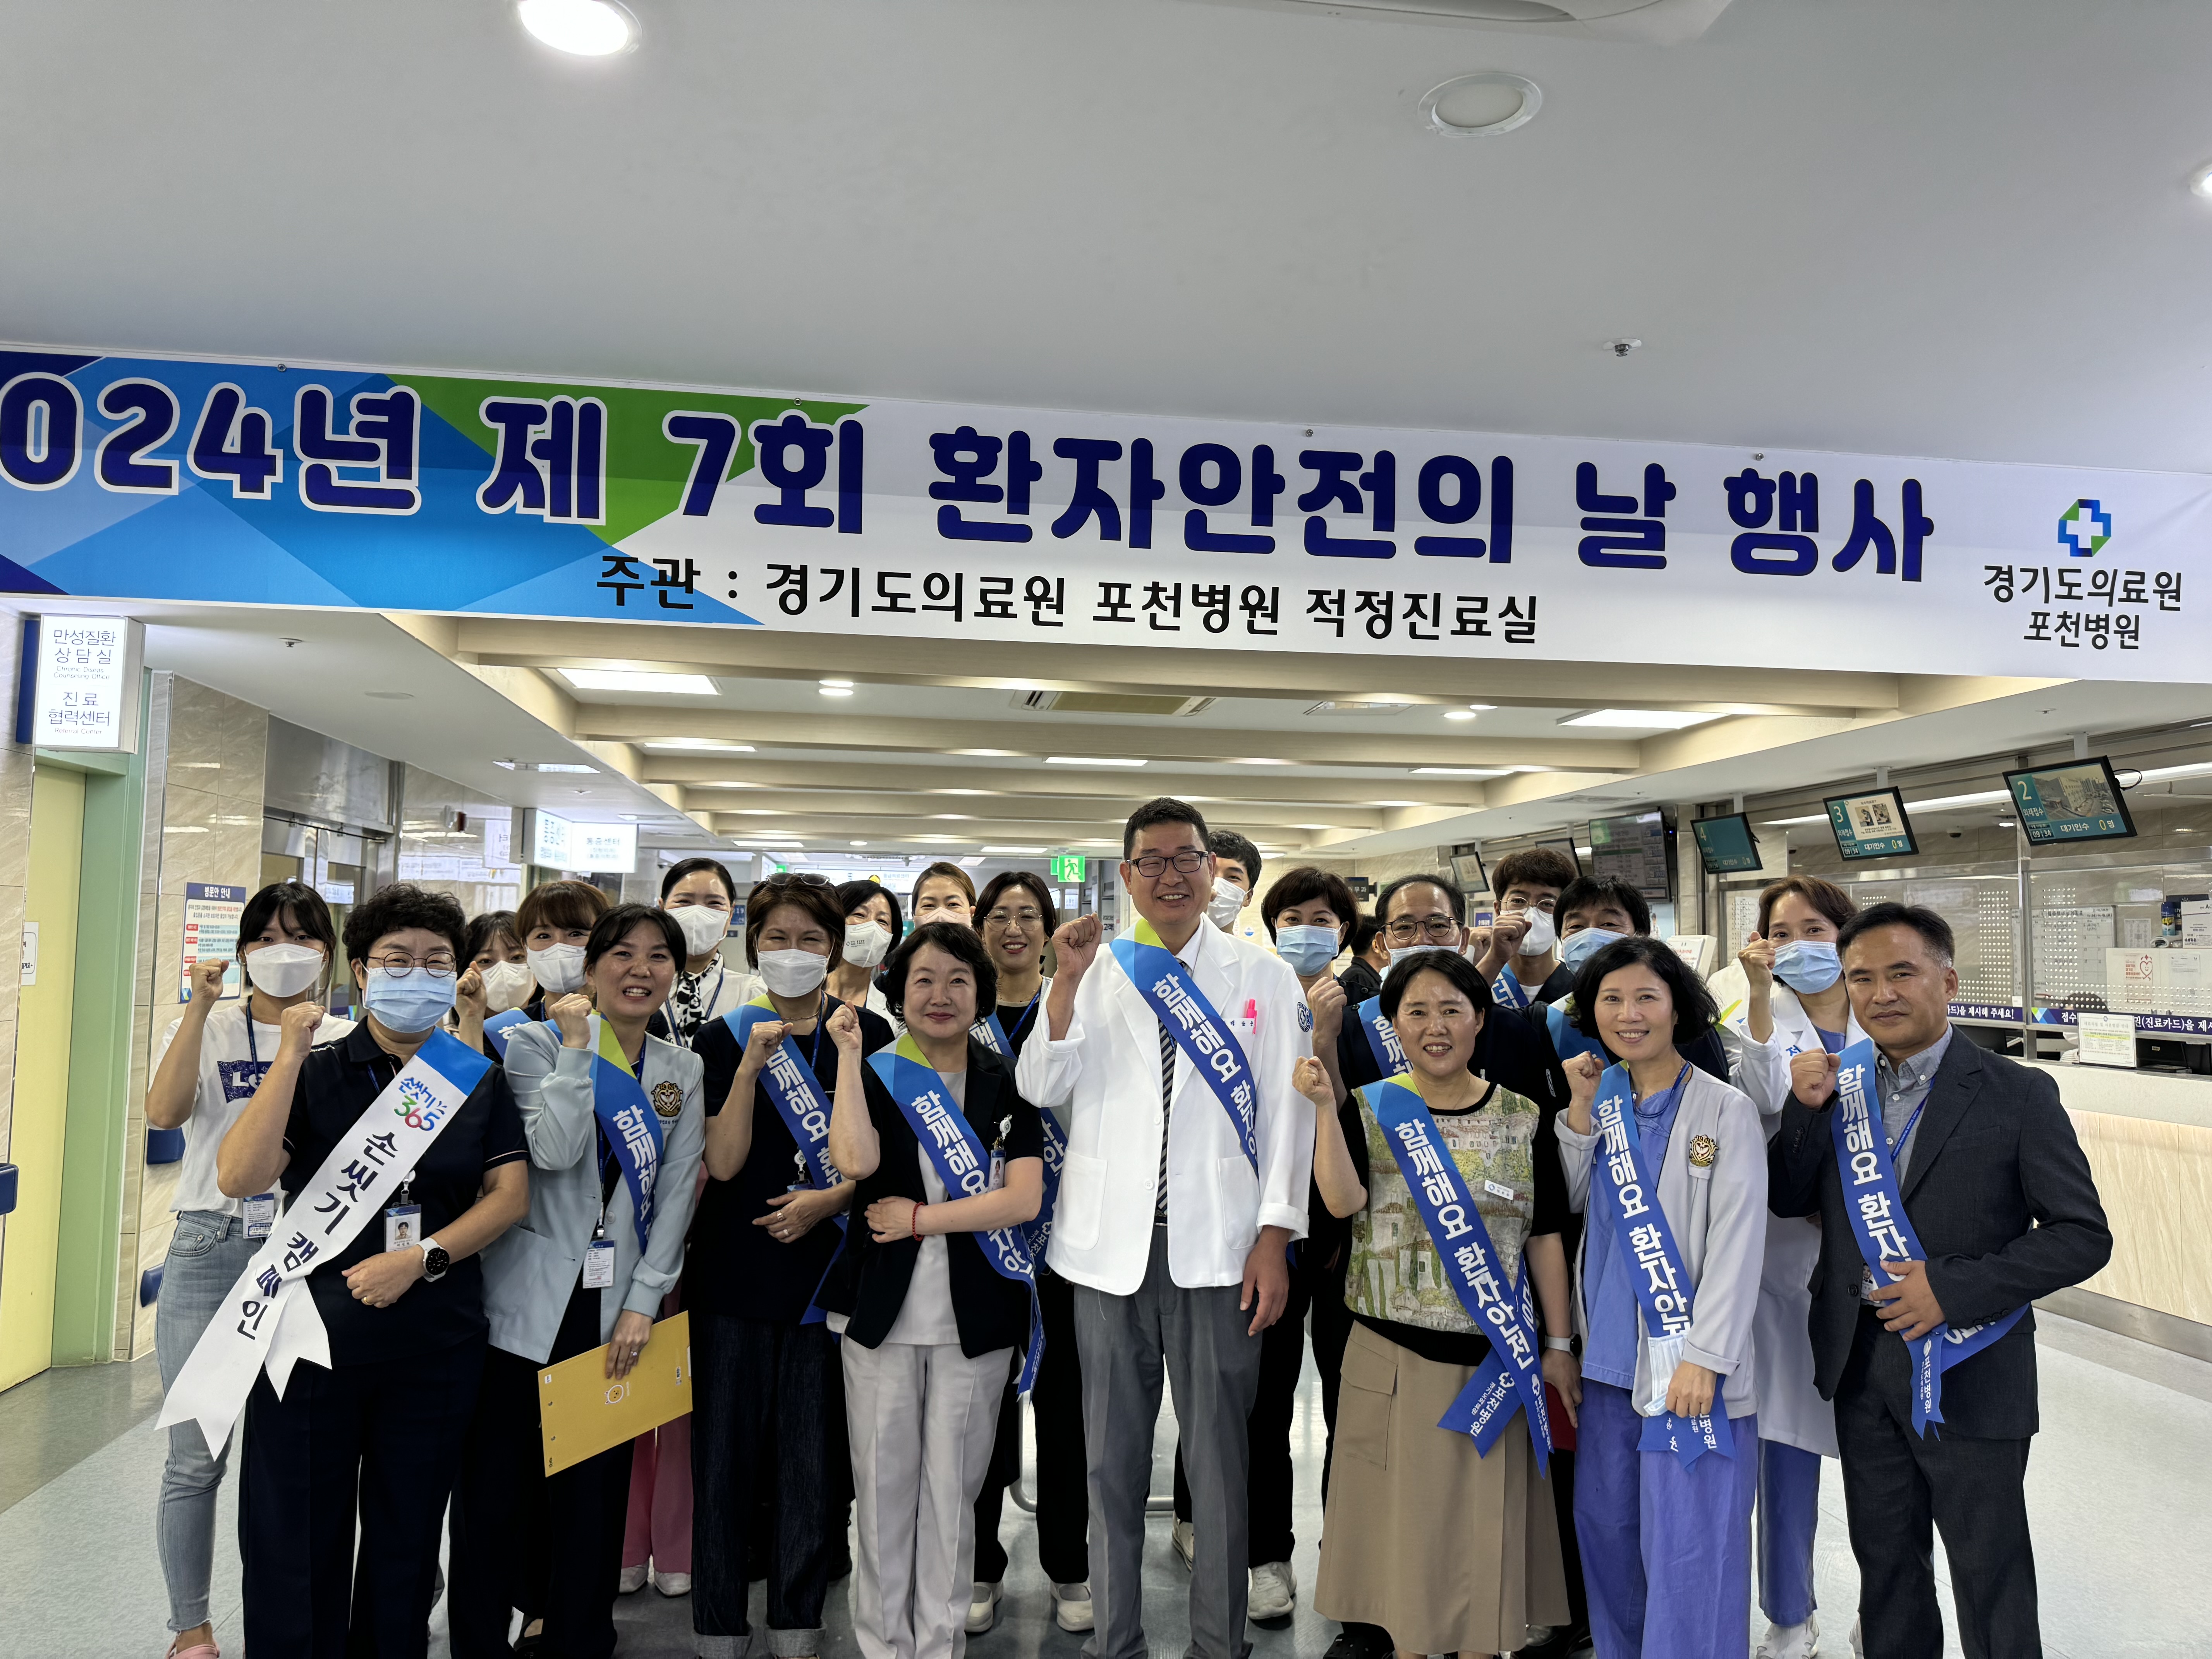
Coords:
1522,960
1188,1158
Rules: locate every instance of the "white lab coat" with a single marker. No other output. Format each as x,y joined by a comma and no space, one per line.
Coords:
1790,1409
1102,1081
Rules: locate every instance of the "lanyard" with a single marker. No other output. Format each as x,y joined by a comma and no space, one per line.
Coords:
1674,1088
1905,1134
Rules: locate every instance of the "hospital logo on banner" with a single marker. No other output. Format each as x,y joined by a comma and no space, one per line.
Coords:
2084,527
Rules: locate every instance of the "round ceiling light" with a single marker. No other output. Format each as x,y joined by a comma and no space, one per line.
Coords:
2200,182
588,28
1482,105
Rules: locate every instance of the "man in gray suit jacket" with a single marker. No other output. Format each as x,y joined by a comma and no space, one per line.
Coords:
1999,1195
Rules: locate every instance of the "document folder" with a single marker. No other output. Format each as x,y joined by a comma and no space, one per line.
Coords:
582,1411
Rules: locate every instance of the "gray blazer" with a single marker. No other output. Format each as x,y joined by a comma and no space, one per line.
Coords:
532,1270
1718,1216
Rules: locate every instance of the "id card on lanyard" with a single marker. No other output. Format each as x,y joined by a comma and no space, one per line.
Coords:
263,1208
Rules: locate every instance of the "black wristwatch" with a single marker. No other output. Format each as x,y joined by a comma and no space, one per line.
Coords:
436,1262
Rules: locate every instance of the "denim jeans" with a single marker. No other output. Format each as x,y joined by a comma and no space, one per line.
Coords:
206,1255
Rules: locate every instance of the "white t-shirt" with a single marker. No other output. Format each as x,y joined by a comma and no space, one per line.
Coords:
927,1314
232,1063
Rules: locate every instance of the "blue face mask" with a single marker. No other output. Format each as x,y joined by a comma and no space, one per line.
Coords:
410,1002
1578,948
1809,965
1308,950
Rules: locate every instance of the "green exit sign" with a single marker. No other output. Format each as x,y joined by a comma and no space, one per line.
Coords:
1067,866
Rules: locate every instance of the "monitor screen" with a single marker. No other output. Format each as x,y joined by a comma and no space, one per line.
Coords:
1634,849
1564,844
2079,800
1467,871
1727,845
1872,825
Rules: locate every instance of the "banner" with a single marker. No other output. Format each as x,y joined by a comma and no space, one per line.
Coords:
294,484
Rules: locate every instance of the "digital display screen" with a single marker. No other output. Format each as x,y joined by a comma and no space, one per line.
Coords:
1467,871
1634,850
1872,825
1565,844
1727,845
2079,800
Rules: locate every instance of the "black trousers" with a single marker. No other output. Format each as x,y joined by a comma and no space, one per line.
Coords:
376,1441
1063,1497
549,1545
763,1396
1897,1484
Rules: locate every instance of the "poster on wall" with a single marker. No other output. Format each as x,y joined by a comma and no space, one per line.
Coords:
170,478
212,913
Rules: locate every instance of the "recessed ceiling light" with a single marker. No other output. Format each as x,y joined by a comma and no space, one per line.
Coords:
1482,105
698,745
835,691
970,863
1650,720
588,28
1459,714
859,843
1017,852
1482,708
1460,771
2200,182
633,680
1092,760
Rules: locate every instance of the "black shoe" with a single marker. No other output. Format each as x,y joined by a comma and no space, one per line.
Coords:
1563,1643
1361,1642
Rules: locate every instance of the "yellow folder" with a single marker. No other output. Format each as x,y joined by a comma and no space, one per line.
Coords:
583,1411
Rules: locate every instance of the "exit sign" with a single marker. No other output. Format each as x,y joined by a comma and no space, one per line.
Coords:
1067,866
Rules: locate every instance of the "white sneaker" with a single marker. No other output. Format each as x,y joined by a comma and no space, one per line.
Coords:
983,1607
1274,1591
1184,1537
632,1580
673,1584
1071,1606
1791,1642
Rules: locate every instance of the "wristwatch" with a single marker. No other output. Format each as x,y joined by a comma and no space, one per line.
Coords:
1564,1344
436,1262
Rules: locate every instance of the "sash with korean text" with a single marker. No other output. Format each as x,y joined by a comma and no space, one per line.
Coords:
268,1318
499,1024
993,1036
794,1089
1382,1038
1513,1374
629,1125
1508,991
1876,1209
1200,1033
1654,1264
957,1154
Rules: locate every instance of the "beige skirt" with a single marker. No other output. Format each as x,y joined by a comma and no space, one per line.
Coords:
1449,1552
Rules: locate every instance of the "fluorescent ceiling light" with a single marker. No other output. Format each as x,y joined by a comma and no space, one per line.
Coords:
951,817
959,792
1091,760
1260,760
969,864
2158,773
844,683
544,766
1482,708
835,691
1461,771
633,680
1017,852
1784,824
1459,714
987,754
704,745
1653,720
588,28
859,843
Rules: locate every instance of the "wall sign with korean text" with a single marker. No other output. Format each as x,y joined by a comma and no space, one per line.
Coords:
134,478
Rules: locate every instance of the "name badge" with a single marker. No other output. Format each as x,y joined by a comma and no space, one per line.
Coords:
998,1172
598,1265
260,1215
403,1226
1497,1190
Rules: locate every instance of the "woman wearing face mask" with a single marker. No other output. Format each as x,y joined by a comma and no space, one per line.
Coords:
1448,1549
211,1060
1794,1002
872,927
767,1392
1594,911
944,892
1666,1459
700,896
372,1439
502,965
554,920
931,1293
586,1270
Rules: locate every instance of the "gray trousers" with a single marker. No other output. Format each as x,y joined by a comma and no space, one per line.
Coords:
1199,1338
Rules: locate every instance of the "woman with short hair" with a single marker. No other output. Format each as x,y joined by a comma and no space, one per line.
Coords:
874,927
944,892
554,923
701,895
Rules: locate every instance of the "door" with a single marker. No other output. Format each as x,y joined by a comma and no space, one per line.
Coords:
31,1241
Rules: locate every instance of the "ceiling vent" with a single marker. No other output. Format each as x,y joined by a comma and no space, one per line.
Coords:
1648,22
1361,708
1110,702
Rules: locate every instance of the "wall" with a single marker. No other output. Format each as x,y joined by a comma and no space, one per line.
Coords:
15,764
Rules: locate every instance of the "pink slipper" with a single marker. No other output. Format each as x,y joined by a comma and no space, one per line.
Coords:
198,1650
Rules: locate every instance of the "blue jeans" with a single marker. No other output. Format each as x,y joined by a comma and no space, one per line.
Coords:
206,1257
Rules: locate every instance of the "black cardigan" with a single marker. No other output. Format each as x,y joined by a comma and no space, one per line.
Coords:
868,1281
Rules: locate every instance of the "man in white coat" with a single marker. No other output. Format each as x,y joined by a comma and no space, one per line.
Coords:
1189,1155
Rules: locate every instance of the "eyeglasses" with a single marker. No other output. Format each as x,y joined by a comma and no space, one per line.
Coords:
1441,928
1028,916
439,964
1153,864
793,878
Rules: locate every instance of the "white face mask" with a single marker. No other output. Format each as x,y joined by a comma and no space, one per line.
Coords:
1541,937
1226,904
507,985
866,942
793,973
1400,952
284,970
704,927
558,969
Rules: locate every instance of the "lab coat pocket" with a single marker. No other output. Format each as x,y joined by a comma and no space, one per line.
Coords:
1082,1199
1236,1201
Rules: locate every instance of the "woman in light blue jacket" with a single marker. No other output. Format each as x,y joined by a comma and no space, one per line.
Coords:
616,1125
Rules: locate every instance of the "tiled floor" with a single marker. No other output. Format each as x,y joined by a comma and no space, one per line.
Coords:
2122,1507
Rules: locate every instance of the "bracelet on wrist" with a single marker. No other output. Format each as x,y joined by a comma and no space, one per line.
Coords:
914,1221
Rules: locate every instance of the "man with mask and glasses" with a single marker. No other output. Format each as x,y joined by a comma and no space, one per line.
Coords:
1522,959
1167,1059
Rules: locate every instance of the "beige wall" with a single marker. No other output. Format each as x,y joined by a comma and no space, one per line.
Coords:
206,756
2155,1179
15,871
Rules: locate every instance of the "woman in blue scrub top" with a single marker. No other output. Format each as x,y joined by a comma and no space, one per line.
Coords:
1666,1547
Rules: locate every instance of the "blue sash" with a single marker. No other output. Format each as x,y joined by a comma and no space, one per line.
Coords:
1512,1376
963,1165
499,1026
794,1089
1189,1018
1876,1208
993,1036
1654,1265
1507,990
631,1127
1382,1038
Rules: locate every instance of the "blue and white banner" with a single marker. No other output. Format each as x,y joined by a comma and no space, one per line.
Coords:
794,1089
627,1123
1382,1038
127,477
1202,1035
1876,1208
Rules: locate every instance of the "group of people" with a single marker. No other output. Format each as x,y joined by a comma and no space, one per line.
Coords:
1588,1269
